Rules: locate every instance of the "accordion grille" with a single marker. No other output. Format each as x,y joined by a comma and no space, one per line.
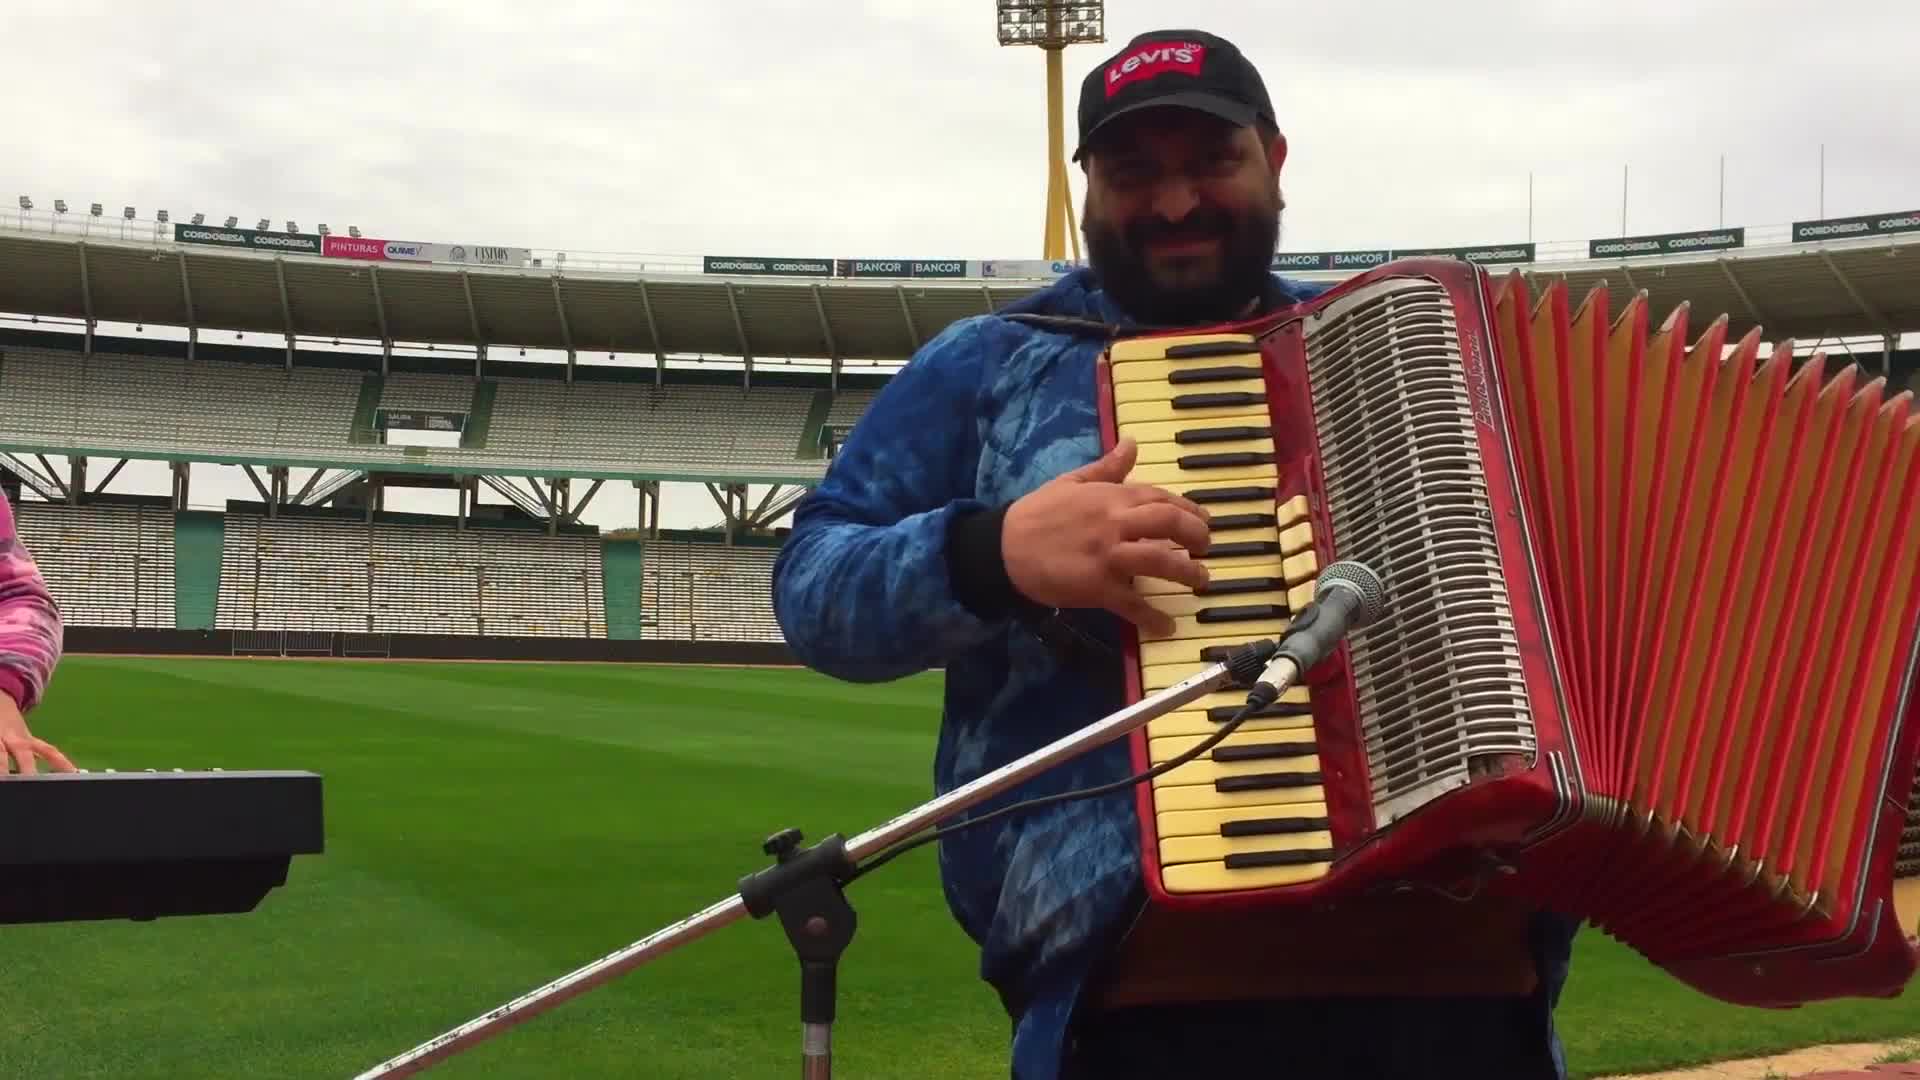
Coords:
1438,680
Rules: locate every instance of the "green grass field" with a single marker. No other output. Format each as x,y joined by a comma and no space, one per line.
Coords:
492,826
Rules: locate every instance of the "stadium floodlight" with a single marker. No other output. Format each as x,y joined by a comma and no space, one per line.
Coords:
127,213
96,211
26,203
324,231
232,220
353,231
161,217
263,225
199,219
59,206
1052,25
292,228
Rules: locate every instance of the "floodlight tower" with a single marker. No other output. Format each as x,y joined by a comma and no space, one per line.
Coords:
1052,25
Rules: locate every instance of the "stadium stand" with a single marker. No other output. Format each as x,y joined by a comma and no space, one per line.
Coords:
709,592
135,564
332,570
712,429
292,575
742,379
415,390
113,402
849,406
107,565
344,575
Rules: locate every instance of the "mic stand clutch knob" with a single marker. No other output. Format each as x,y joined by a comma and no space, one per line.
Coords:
803,887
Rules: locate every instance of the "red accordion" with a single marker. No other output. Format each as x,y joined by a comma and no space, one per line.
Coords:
1639,665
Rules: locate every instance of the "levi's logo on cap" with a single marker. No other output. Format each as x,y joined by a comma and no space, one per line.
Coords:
1155,58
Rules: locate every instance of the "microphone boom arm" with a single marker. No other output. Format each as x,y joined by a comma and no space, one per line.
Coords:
804,885
798,871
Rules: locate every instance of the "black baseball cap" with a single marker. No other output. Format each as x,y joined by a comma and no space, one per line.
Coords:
1183,68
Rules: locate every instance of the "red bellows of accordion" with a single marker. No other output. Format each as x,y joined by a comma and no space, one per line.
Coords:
1650,639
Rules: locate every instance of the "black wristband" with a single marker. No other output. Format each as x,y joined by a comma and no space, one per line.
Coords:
975,565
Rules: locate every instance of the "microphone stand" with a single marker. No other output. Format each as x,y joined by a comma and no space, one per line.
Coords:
803,886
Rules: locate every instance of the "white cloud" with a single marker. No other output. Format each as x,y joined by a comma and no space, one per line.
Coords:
902,127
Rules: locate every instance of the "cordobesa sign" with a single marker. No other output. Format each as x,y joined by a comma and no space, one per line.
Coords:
298,243
351,247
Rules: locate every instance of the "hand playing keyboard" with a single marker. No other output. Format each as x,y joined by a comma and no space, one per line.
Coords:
20,749
1080,540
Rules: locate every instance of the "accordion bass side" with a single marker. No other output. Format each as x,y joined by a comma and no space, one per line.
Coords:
1650,641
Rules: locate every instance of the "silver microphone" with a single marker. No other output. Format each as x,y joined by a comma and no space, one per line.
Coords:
1346,597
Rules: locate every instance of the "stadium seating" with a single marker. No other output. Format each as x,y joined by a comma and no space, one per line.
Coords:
115,565
708,592
414,390
113,402
297,573
702,429
105,565
849,406
293,574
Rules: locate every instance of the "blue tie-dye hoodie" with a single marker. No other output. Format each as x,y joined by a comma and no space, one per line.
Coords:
867,589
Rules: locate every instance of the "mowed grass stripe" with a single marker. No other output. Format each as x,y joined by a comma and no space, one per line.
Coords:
493,826
790,723
559,850
255,995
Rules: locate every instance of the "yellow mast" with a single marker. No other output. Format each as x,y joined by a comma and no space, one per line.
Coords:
1060,222
1052,25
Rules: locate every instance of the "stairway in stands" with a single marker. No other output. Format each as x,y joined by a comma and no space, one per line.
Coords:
199,536
620,575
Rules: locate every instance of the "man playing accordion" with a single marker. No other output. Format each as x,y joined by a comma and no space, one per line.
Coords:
971,522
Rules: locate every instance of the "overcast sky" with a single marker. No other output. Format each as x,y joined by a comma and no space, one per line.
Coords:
900,128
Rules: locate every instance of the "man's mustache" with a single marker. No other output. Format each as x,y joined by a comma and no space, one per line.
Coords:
1199,225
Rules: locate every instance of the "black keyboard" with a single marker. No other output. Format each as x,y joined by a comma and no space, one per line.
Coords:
146,845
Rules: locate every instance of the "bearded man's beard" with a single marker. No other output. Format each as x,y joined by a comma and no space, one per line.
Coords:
1187,290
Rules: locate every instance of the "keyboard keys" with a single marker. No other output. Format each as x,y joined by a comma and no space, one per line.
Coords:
1249,812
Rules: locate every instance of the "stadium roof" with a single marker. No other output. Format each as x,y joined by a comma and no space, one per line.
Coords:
547,307
1807,291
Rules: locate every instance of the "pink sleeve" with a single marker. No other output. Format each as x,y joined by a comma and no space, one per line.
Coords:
30,622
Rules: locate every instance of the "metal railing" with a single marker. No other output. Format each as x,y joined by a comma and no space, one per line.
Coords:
342,643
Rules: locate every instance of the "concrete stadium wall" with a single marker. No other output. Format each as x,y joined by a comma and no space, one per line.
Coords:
109,640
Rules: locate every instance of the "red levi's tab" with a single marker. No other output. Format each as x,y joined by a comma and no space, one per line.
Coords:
1155,58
